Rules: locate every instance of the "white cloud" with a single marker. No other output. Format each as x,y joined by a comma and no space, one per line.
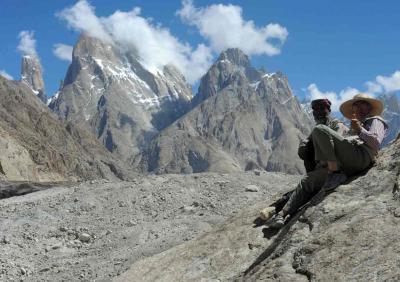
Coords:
82,17
155,44
336,98
27,43
63,52
390,83
381,85
4,74
224,27
384,84
157,47
373,87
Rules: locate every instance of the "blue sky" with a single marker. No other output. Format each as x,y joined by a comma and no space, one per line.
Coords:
332,47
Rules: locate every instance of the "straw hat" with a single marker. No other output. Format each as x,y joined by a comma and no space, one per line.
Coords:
347,110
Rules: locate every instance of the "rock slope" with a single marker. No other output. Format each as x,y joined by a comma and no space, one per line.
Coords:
36,146
242,119
352,235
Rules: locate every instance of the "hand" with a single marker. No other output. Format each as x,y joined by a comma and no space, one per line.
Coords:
355,125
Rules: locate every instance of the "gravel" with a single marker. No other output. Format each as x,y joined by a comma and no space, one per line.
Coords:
96,230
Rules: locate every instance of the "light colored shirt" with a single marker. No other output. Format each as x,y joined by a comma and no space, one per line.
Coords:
372,134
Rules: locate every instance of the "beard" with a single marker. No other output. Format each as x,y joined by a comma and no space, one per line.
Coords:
320,118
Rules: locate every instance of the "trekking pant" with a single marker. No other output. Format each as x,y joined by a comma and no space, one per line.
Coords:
309,185
329,146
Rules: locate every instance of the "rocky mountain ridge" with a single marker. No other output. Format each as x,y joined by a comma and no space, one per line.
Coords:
132,111
241,119
37,146
109,91
32,75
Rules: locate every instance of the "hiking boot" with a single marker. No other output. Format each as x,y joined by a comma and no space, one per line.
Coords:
277,221
333,180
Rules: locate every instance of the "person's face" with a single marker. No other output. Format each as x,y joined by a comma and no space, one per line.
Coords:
320,112
361,109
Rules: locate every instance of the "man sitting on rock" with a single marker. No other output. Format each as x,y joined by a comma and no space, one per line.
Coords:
345,156
321,110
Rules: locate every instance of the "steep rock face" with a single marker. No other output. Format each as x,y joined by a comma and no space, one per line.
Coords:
242,119
36,146
392,115
15,162
220,74
352,235
32,75
123,103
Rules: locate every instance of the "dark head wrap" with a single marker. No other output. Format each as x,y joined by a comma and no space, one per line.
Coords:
321,102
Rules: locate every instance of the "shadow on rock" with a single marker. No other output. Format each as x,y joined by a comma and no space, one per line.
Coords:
270,232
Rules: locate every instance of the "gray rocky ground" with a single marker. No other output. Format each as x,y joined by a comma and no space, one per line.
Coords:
94,231
352,235
203,227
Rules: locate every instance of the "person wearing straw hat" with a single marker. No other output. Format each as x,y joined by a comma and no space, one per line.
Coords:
345,156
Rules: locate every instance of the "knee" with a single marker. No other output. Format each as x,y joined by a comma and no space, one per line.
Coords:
312,181
305,184
320,128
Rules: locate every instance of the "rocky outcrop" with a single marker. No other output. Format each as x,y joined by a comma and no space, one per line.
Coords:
242,119
15,161
352,235
220,74
36,146
32,75
124,104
